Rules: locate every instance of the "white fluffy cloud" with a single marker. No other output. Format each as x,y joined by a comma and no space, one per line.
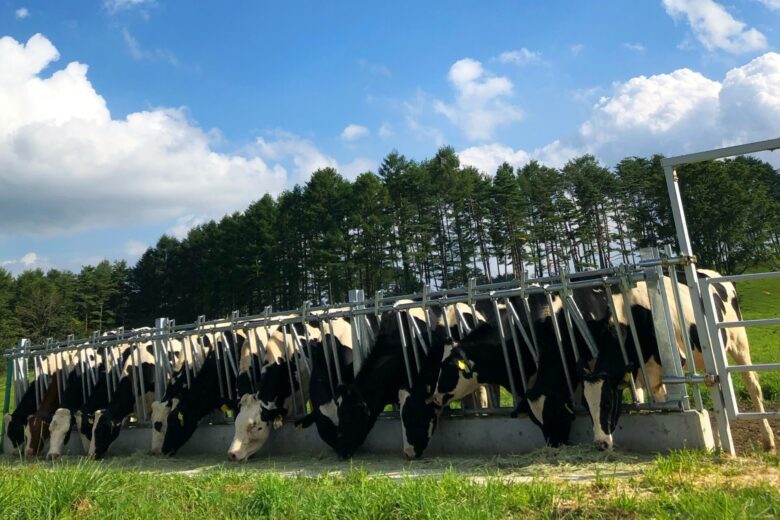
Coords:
480,105
354,132
674,113
66,164
771,4
134,248
304,155
30,260
519,57
22,13
714,27
114,6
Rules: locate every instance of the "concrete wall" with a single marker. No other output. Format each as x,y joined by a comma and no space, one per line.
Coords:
642,432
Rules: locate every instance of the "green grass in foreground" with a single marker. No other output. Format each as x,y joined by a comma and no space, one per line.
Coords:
684,484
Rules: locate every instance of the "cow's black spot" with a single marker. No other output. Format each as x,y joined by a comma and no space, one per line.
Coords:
417,417
735,305
150,348
694,335
721,290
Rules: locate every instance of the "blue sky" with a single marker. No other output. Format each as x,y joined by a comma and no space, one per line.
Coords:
121,120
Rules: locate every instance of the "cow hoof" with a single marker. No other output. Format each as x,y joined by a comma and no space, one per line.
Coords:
603,445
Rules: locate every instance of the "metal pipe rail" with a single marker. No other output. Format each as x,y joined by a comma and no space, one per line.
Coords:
623,277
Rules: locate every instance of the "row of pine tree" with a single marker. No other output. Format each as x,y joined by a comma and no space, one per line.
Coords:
410,224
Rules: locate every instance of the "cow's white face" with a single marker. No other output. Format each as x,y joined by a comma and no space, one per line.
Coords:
58,431
159,419
251,431
28,451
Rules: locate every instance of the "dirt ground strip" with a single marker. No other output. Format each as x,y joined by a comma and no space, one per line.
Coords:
571,463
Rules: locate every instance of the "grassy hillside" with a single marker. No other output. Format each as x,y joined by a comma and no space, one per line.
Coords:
761,299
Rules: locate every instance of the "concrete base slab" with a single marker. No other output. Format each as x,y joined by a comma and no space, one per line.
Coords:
492,435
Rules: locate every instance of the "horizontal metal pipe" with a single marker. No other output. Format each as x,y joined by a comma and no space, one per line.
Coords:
766,367
748,323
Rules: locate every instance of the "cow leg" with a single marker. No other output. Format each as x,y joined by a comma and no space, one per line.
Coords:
740,352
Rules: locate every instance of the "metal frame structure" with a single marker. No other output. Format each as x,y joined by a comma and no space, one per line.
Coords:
722,391
515,339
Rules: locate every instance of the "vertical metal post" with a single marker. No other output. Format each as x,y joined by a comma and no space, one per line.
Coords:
403,344
159,377
707,342
507,363
690,365
9,378
559,340
359,348
664,329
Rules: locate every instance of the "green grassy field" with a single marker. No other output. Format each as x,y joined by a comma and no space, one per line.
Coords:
684,484
761,299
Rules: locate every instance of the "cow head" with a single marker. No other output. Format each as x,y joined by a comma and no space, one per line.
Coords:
59,431
15,431
85,421
104,432
457,377
551,411
354,420
603,392
160,412
181,423
419,418
251,431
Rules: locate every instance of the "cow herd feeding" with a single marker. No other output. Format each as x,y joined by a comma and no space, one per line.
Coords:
419,355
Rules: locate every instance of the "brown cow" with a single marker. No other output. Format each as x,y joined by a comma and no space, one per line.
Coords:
37,430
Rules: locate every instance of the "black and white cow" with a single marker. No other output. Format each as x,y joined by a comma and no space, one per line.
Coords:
202,397
16,421
265,409
479,358
61,421
605,380
193,353
419,414
108,420
382,377
324,413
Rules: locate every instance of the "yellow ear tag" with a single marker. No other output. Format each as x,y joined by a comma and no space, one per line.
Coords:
181,418
627,378
91,421
299,427
428,389
462,365
224,408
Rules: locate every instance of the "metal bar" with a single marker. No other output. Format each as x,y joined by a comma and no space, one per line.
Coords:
564,294
218,361
748,323
519,325
289,367
625,292
334,351
691,365
512,386
668,348
227,358
745,277
403,346
757,415
684,241
516,344
413,342
559,341
141,379
621,339
419,335
582,325
764,367
9,380
719,153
